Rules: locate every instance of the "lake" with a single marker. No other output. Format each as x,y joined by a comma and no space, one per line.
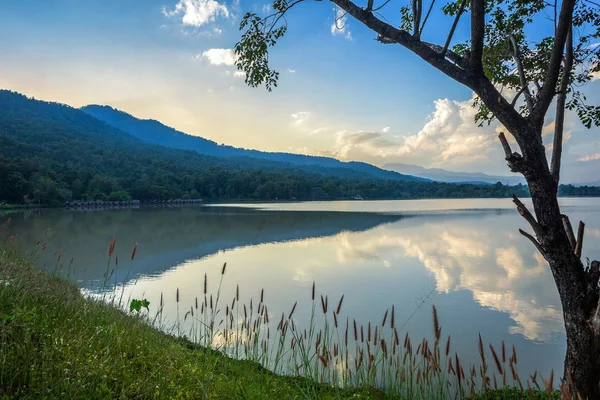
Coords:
464,256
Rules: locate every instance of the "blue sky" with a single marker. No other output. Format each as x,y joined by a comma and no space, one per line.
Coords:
341,93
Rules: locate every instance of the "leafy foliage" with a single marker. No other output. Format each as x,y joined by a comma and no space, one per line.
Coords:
137,305
507,39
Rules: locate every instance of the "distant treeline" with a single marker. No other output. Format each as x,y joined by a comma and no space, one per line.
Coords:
51,153
570,190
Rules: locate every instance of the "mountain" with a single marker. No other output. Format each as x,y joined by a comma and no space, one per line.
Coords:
152,131
51,153
442,175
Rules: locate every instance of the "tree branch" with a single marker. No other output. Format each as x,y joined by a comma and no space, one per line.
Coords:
519,93
388,33
528,217
477,32
452,56
569,230
417,10
456,19
426,18
548,89
505,145
478,82
515,160
559,120
522,78
579,245
535,242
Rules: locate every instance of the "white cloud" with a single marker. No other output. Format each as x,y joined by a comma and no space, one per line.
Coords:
219,56
291,71
300,117
589,158
318,130
239,74
386,129
197,12
266,8
449,138
340,24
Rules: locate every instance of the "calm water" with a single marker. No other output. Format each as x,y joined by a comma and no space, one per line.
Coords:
464,256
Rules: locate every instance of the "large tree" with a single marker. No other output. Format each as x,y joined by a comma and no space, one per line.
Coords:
516,79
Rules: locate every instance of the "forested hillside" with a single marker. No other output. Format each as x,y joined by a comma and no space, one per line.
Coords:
154,132
51,153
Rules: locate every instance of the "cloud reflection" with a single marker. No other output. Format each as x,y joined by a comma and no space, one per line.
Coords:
500,270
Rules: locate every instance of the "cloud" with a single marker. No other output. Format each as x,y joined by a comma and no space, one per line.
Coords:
300,117
197,12
340,24
386,129
317,130
266,9
219,56
449,137
291,71
589,158
239,74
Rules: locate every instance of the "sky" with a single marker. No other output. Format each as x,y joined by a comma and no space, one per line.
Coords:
340,94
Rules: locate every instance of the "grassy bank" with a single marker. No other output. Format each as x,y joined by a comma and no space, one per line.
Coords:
54,343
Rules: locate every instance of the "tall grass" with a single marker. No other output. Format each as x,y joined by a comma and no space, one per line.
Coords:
333,350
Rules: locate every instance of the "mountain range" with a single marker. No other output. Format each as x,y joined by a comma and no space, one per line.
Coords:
154,132
442,175
51,153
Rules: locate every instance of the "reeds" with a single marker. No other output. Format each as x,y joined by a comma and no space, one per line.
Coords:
333,349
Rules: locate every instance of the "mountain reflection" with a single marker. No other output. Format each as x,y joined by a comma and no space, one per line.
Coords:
170,236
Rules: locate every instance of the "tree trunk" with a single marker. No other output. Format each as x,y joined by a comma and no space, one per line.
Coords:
576,286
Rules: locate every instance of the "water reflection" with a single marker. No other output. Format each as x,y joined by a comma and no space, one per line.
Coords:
485,277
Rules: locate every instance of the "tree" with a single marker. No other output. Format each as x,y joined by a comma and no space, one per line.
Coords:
499,59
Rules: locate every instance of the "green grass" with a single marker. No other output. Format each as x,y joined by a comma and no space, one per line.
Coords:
56,343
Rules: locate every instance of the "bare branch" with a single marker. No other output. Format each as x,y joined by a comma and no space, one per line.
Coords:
456,19
522,78
452,56
515,160
417,6
528,217
559,120
505,145
555,11
569,230
579,245
519,93
547,93
369,6
426,18
390,34
535,242
477,32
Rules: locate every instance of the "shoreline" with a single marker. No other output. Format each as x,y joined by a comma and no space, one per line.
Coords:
173,203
